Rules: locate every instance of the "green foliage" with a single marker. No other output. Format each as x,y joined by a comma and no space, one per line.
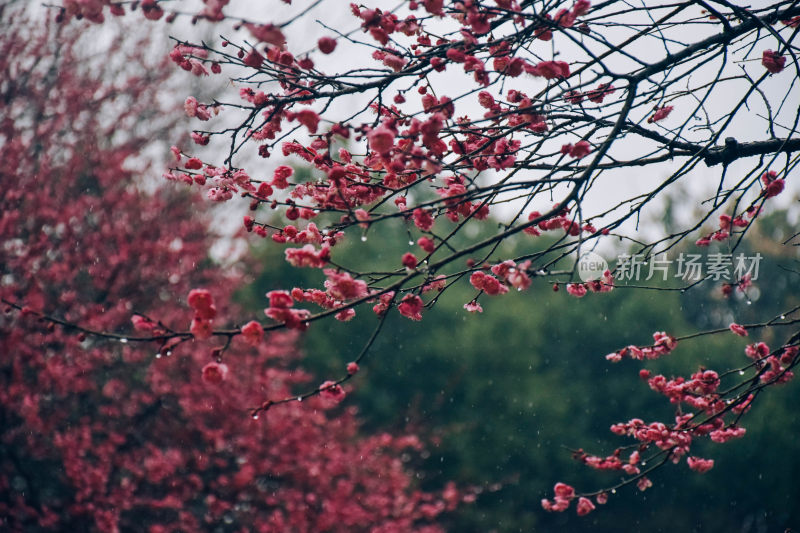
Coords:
506,395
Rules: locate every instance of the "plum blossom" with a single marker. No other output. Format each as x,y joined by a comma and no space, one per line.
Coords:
330,390
738,329
473,307
585,506
326,45
660,114
341,286
488,284
214,373
201,301
381,139
411,307
773,61
253,333
578,290
700,465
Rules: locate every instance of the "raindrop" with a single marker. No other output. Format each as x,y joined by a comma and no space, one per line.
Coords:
411,243
519,289
749,302
363,238
613,491
741,372
158,355
169,352
254,416
299,398
783,317
123,340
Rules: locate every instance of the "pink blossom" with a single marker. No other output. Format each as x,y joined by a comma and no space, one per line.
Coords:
279,177
585,506
772,61
724,435
598,95
341,286
580,150
426,244
550,69
215,373
308,118
409,260
280,299
141,323
292,318
700,465
345,315
201,329
190,106
268,33
473,307
201,301
423,219
660,114
326,45
757,351
488,284
381,139
411,307
394,62
577,290
308,256
352,368
581,7
330,390
774,188
383,305
193,164
485,99
253,333
563,490
253,59
519,279
739,330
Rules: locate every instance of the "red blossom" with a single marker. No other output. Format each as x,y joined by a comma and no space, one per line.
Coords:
700,465
660,114
381,139
408,260
330,390
341,286
411,307
215,373
773,61
326,45
739,330
253,333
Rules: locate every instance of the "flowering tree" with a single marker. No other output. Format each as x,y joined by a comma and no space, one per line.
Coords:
100,433
565,122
